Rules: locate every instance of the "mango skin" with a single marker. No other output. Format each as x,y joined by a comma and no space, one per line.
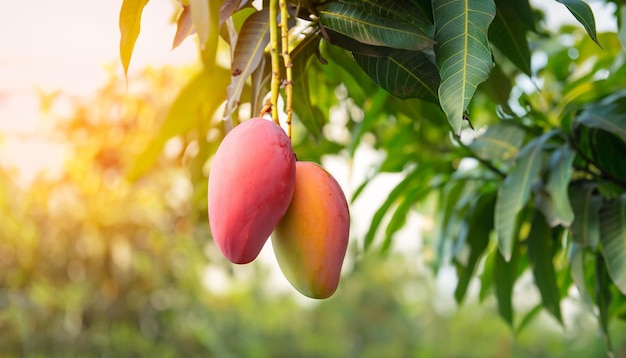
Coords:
251,184
311,240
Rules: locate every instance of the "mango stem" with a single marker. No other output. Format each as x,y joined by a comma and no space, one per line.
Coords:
284,31
275,81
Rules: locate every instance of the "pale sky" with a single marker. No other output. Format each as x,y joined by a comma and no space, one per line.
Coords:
66,44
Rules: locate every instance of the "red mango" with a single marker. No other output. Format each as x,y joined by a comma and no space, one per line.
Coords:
251,184
310,241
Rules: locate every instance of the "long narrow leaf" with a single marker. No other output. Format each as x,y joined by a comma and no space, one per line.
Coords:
554,202
184,26
480,225
501,141
603,297
398,219
504,277
130,25
200,13
405,74
609,115
311,116
197,101
508,33
576,258
586,206
487,276
231,6
391,199
515,192
463,53
540,255
613,238
251,43
352,20
582,12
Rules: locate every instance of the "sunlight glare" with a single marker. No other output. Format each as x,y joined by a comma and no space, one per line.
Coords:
65,47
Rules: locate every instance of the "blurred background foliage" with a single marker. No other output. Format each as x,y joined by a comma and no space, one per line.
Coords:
92,264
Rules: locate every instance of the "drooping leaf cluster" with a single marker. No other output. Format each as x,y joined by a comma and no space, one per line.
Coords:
539,184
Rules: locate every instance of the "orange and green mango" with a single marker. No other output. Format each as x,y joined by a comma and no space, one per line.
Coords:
310,241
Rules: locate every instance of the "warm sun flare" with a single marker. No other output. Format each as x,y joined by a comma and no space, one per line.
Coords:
69,58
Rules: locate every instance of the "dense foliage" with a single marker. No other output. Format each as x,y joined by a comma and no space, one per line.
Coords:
510,133
92,264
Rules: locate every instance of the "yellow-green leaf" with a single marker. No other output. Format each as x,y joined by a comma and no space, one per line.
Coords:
201,16
130,25
514,194
196,102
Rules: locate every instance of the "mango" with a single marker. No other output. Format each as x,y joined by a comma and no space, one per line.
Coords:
310,241
251,184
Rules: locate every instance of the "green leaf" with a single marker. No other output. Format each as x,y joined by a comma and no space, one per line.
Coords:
622,26
310,115
528,317
130,25
249,49
582,12
463,54
504,277
195,104
260,85
449,199
373,108
553,200
609,115
540,250
508,34
498,87
603,297
480,225
405,74
613,238
365,25
398,219
606,147
412,179
586,206
501,141
487,276
515,192
576,258
403,10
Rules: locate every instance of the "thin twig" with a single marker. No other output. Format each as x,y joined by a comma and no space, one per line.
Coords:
275,83
284,33
482,161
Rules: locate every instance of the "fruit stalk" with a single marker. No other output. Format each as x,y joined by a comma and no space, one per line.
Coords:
275,82
284,33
